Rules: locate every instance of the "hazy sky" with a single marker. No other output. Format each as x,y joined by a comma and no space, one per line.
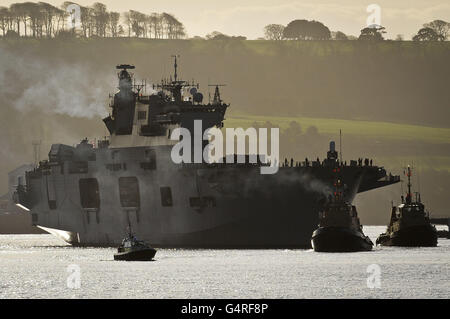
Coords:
248,17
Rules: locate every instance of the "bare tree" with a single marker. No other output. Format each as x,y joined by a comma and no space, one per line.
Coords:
48,15
4,18
87,22
137,20
128,22
274,31
427,34
100,19
120,31
114,18
153,24
43,19
441,28
16,15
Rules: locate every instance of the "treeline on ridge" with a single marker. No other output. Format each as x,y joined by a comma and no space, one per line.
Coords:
43,20
437,30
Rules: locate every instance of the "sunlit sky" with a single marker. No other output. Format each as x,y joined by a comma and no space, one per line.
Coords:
248,17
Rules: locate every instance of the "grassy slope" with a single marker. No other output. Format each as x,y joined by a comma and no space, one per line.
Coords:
374,130
383,130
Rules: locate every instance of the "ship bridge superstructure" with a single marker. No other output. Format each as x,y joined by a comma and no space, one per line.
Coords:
138,119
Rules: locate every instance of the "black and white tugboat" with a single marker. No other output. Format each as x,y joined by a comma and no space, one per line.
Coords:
339,227
133,249
410,224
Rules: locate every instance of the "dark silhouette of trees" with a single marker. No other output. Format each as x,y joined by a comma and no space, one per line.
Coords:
31,19
40,19
296,30
338,35
306,30
156,26
274,31
318,31
137,22
216,35
4,20
100,18
372,33
16,10
442,28
113,24
51,18
173,28
426,34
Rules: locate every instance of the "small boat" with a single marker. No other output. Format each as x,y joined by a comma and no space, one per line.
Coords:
133,249
410,224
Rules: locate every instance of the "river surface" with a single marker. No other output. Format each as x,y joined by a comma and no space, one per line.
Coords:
41,266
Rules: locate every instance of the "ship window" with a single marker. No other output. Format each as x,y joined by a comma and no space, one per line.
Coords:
195,202
209,201
89,193
142,115
114,167
113,154
166,197
129,192
206,201
150,160
52,204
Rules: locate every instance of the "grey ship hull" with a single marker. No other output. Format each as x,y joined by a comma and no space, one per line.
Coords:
250,210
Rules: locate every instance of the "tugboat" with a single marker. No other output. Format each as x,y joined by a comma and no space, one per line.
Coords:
339,226
133,249
410,224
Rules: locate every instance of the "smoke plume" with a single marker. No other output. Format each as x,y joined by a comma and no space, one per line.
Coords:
34,83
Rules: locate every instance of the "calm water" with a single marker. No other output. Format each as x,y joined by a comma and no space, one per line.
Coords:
35,266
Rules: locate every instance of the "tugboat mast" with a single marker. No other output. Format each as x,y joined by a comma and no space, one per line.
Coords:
175,66
409,196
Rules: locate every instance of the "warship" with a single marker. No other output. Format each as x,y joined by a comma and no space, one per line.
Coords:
339,227
410,224
87,194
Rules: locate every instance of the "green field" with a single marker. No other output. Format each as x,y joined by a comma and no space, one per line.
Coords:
382,130
373,130
437,163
